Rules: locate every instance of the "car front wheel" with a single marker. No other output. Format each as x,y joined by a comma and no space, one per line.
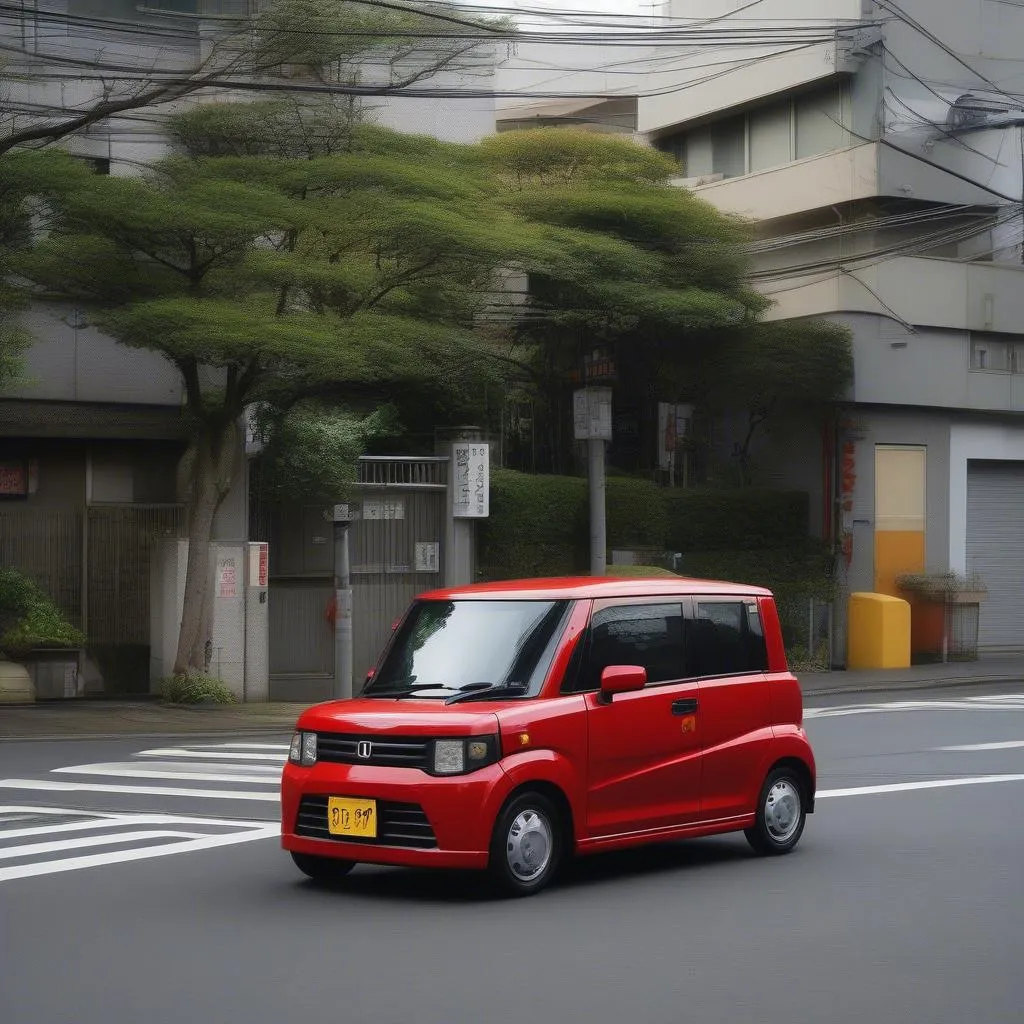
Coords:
527,845
781,813
322,869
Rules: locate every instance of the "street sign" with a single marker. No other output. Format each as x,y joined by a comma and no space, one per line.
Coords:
592,414
471,469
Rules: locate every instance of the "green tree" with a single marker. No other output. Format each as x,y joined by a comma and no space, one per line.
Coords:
679,317
781,369
358,276
28,183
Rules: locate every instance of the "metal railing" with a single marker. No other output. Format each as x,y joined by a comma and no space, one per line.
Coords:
413,472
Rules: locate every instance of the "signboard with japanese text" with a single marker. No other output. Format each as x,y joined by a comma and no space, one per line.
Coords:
227,578
471,478
428,556
259,563
380,509
592,414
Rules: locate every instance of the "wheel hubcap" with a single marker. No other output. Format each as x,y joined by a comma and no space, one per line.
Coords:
782,810
529,844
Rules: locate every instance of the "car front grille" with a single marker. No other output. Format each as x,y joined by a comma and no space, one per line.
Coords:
398,824
390,752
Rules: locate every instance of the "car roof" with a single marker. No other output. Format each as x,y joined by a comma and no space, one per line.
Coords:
561,588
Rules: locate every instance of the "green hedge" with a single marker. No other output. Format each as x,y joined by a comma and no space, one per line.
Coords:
539,524
745,519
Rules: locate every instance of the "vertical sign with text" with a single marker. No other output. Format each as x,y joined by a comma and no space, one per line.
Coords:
471,480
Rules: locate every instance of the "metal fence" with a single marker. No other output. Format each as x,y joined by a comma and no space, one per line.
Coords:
120,541
807,630
46,546
106,593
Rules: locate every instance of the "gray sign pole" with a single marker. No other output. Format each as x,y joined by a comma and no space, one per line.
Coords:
343,608
598,509
592,422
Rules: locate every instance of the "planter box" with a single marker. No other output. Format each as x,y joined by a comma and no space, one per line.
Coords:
56,672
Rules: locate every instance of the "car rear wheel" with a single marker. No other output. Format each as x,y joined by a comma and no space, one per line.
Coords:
781,813
322,869
527,845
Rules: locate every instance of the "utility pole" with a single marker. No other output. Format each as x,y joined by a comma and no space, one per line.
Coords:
342,516
592,422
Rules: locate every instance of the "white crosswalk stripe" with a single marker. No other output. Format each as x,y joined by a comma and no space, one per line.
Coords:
107,838
235,771
1004,702
41,840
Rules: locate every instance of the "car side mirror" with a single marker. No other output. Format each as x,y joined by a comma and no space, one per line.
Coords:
622,679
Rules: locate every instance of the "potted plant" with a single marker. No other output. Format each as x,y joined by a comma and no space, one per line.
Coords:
33,630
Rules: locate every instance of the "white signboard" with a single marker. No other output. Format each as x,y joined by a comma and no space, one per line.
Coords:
592,414
428,556
471,468
374,508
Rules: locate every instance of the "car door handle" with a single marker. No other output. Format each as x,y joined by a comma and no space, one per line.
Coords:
685,706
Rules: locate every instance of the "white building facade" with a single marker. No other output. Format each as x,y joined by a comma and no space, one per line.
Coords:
878,146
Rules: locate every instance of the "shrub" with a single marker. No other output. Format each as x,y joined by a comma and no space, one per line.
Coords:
30,619
741,519
637,514
196,689
537,526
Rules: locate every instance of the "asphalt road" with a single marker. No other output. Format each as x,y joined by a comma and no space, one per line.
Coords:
903,902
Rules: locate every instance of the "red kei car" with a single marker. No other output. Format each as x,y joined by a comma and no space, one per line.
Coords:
509,725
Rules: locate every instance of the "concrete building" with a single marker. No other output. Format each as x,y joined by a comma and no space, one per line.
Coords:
878,146
90,442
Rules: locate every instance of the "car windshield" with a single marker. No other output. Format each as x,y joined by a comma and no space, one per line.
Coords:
455,644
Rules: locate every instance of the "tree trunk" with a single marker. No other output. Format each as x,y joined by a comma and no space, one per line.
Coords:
210,471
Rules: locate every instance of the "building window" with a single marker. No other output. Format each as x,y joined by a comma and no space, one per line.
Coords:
765,137
994,353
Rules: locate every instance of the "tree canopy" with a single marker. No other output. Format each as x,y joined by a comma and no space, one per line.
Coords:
662,292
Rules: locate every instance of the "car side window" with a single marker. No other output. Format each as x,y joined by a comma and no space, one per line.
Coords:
725,638
650,635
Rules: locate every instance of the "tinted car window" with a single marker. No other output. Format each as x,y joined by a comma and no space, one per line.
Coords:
725,638
452,643
635,634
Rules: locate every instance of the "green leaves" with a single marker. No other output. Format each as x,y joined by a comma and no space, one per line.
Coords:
313,449
566,156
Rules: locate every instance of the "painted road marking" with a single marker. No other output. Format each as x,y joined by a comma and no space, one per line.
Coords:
216,755
86,787
1008,745
163,834
252,774
1009,702
903,787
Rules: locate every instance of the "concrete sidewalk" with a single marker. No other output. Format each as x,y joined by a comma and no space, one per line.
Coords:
103,719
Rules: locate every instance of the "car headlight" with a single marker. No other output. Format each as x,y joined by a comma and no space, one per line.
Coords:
303,749
458,757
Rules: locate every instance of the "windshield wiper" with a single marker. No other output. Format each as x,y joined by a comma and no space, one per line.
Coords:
406,691
484,691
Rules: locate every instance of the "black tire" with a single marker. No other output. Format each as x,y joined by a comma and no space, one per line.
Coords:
781,813
322,869
522,862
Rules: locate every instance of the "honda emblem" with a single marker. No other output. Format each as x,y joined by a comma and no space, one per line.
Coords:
364,748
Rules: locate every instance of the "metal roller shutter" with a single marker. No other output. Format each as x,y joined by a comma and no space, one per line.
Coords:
995,549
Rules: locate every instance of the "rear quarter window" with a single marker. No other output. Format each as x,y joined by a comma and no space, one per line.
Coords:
725,637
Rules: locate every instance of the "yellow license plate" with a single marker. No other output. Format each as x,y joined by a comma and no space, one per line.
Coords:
347,816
